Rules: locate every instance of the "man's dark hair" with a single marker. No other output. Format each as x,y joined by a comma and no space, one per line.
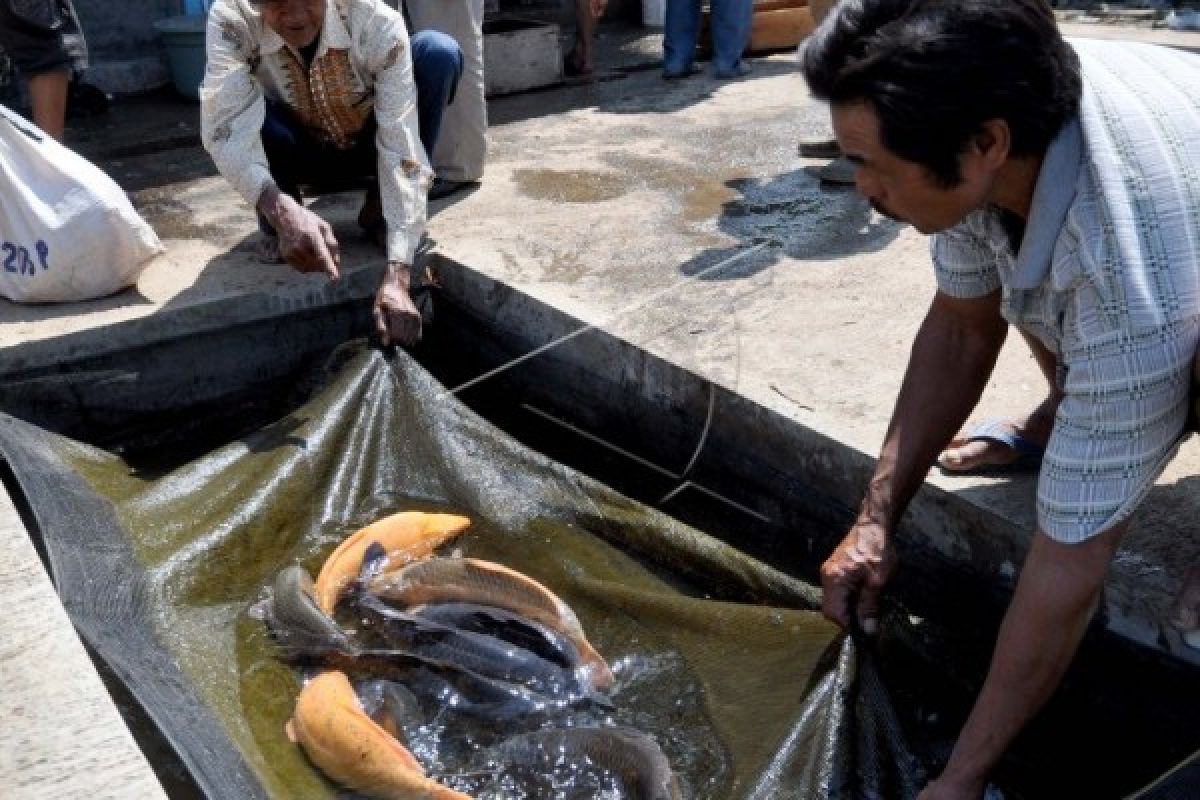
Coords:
935,70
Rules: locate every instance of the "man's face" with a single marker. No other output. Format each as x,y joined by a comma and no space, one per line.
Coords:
901,189
298,22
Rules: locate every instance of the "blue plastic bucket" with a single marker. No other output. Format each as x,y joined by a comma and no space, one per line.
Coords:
183,38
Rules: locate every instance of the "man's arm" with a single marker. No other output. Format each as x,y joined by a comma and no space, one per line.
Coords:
306,242
404,174
1054,600
952,357
231,103
232,109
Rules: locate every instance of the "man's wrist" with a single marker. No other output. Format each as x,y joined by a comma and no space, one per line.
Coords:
874,512
398,272
268,203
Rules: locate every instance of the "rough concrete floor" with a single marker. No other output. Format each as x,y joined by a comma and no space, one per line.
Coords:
676,215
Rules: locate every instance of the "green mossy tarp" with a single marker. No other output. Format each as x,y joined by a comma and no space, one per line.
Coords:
749,692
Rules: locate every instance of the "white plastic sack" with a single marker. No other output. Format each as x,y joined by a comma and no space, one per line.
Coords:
67,231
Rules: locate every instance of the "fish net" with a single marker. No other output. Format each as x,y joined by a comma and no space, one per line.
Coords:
720,658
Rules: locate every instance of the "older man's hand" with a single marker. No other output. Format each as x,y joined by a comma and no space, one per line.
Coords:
306,242
855,573
396,316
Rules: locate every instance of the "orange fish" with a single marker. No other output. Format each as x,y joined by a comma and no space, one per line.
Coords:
339,737
472,580
406,536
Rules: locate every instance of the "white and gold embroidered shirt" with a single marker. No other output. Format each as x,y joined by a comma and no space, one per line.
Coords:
362,65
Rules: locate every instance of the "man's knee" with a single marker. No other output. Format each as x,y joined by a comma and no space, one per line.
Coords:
437,58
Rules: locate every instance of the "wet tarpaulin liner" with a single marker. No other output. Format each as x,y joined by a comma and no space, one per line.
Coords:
749,693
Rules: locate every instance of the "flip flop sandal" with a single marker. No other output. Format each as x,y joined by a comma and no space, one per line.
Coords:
1029,453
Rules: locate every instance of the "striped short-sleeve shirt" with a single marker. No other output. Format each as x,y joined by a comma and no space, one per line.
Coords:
1108,277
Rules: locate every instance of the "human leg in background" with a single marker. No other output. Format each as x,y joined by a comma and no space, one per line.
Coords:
681,27
48,99
824,145
579,60
437,68
731,21
461,150
33,36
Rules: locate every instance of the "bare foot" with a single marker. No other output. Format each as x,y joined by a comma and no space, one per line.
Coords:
1186,614
971,456
266,249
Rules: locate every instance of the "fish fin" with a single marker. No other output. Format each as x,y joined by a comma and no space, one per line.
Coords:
375,558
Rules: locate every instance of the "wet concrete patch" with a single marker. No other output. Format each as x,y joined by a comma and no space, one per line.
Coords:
702,193
172,218
807,221
571,186
790,211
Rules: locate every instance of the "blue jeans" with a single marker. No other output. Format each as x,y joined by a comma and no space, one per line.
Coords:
298,159
730,23
437,67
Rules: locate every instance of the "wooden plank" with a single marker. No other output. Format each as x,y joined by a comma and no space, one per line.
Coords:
62,736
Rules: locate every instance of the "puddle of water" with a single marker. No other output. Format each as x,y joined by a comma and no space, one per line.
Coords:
571,186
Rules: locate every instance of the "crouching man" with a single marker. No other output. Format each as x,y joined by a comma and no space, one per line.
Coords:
1060,184
319,96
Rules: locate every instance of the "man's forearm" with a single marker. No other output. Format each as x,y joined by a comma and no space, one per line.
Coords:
1046,620
951,360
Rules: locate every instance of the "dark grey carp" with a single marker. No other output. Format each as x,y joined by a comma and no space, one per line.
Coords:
472,580
506,625
410,636
300,628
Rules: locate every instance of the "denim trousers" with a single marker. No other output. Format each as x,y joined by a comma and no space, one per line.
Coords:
730,23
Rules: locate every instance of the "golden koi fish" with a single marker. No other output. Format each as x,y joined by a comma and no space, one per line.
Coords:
339,737
406,536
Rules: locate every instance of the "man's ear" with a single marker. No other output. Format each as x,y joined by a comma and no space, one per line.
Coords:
992,143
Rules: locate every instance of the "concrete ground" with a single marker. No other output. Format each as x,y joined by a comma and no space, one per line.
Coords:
675,215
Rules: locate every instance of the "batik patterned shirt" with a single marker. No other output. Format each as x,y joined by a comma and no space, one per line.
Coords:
362,66
1107,276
